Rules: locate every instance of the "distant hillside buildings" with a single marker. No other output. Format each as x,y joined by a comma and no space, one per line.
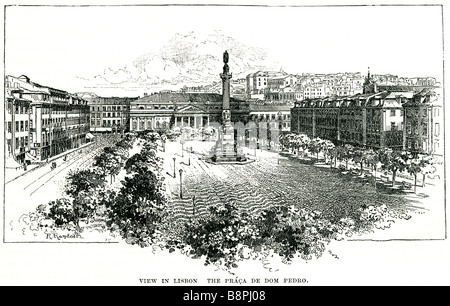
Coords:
400,119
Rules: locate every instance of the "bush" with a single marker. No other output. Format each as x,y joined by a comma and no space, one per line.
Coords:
62,212
290,231
220,236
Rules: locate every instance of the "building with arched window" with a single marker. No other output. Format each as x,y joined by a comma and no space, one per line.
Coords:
166,109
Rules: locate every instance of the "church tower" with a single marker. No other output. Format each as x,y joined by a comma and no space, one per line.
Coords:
369,86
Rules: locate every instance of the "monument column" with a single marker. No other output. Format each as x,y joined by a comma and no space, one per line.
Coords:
227,129
225,149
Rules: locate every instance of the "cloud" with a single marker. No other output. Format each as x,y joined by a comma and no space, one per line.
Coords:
189,58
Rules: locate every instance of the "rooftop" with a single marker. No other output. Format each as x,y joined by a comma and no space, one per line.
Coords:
177,97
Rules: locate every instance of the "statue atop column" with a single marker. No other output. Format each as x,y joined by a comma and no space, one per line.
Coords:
225,57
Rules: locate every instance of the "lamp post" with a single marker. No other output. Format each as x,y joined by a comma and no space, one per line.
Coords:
181,183
174,173
193,206
189,157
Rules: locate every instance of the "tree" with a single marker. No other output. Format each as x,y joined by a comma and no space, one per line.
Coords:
358,158
393,161
372,158
300,141
330,151
414,166
85,205
108,162
315,146
143,162
83,181
345,153
427,163
139,208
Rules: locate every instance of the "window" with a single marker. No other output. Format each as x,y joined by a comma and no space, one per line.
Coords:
17,126
436,112
436,129
392,112
9,127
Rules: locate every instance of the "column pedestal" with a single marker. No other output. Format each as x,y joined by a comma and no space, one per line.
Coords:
226,149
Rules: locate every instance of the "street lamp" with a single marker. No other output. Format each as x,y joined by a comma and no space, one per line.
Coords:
193,205
189,157
181,183
174,173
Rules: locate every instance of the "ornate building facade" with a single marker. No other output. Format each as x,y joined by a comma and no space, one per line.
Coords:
42,121
166,109
394,119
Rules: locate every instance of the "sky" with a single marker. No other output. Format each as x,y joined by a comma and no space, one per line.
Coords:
56,46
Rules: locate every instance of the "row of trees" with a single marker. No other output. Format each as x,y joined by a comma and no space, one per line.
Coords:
87,188
137,210
385,159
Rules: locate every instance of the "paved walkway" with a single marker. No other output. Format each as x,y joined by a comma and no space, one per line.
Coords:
271,179
13,174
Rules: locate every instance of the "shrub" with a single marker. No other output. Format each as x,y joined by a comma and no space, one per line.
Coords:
62,212
220,236
290,231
